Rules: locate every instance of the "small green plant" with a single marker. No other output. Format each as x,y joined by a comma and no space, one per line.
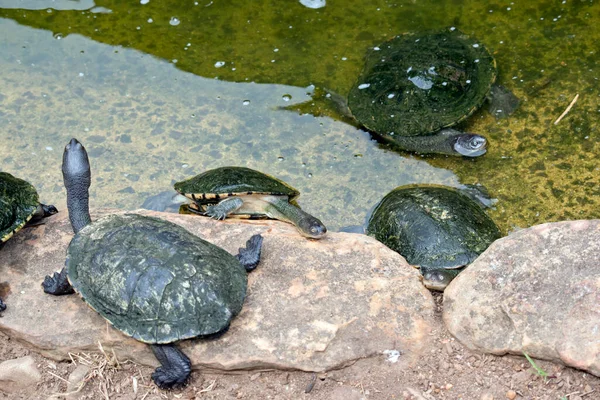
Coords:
537,369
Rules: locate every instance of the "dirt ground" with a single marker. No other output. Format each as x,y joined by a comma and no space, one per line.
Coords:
447,371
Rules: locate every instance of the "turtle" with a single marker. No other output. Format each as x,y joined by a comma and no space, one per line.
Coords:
151,279
413,88
242,191
19,204
438,229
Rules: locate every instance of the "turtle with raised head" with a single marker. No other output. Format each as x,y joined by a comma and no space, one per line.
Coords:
435,228
19,205
241,191
151,279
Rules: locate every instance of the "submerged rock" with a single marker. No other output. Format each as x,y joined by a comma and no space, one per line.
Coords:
535,291
311,305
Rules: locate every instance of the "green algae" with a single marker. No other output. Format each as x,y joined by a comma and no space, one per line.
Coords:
149,121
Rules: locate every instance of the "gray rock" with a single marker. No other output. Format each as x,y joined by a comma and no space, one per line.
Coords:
18,374
311,305
535,291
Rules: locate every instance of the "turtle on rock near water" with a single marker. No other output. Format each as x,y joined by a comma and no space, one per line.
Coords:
151,279
19,204
435,228
227,191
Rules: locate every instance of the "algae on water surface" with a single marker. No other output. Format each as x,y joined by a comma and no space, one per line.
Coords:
136,84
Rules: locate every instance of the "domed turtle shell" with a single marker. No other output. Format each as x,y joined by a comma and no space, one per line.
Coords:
432,227
153,280
414,85
18,203
233,181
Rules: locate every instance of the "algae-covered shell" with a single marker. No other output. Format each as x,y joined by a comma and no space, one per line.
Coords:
433,227
18,203
415,85
233,181
154,280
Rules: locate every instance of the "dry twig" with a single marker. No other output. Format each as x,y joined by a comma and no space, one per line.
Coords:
567,110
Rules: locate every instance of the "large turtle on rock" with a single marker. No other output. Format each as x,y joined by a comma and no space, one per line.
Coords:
151,279
19,205
437,229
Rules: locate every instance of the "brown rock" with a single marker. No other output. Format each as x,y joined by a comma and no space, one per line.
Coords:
535,291
511,395
311,305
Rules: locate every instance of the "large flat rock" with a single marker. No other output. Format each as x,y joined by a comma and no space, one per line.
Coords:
535,291
311,305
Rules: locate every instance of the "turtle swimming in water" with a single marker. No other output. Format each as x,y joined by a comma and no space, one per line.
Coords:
151,279
413,88
19,204
225,191
435,228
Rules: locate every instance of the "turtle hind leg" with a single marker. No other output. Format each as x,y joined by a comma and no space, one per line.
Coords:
58,284
224,207
175,367
249,256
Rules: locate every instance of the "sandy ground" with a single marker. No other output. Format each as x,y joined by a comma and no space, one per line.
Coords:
447,371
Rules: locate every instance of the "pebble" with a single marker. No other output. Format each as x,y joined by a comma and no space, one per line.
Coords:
255,376
487,396
75,379
19,373
511,395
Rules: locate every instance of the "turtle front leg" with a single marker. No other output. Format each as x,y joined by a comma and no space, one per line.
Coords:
224,208
175,367
58,284
2,306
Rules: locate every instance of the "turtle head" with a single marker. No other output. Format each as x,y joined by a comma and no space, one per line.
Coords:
470,144
439,278
77,179
311,227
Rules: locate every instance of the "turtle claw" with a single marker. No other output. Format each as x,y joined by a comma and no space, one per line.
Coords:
215,213
57,284
166,379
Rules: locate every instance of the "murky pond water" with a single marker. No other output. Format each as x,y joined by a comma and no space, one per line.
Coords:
162,90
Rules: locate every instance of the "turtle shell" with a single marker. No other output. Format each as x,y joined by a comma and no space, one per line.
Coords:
153,280
414,85
433,227
233,181
18,203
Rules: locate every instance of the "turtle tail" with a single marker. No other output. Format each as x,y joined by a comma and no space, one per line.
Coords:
77,178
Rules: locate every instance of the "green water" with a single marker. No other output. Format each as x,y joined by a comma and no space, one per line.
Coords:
164,90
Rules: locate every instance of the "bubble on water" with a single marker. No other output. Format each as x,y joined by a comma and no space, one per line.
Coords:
174,21
219,64
58,36
49,148
364,85
280,158
245,102
144,1
286,97
150,20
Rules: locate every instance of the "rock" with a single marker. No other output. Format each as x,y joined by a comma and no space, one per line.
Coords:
18,374
535,291
76,380
311,305
511,395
